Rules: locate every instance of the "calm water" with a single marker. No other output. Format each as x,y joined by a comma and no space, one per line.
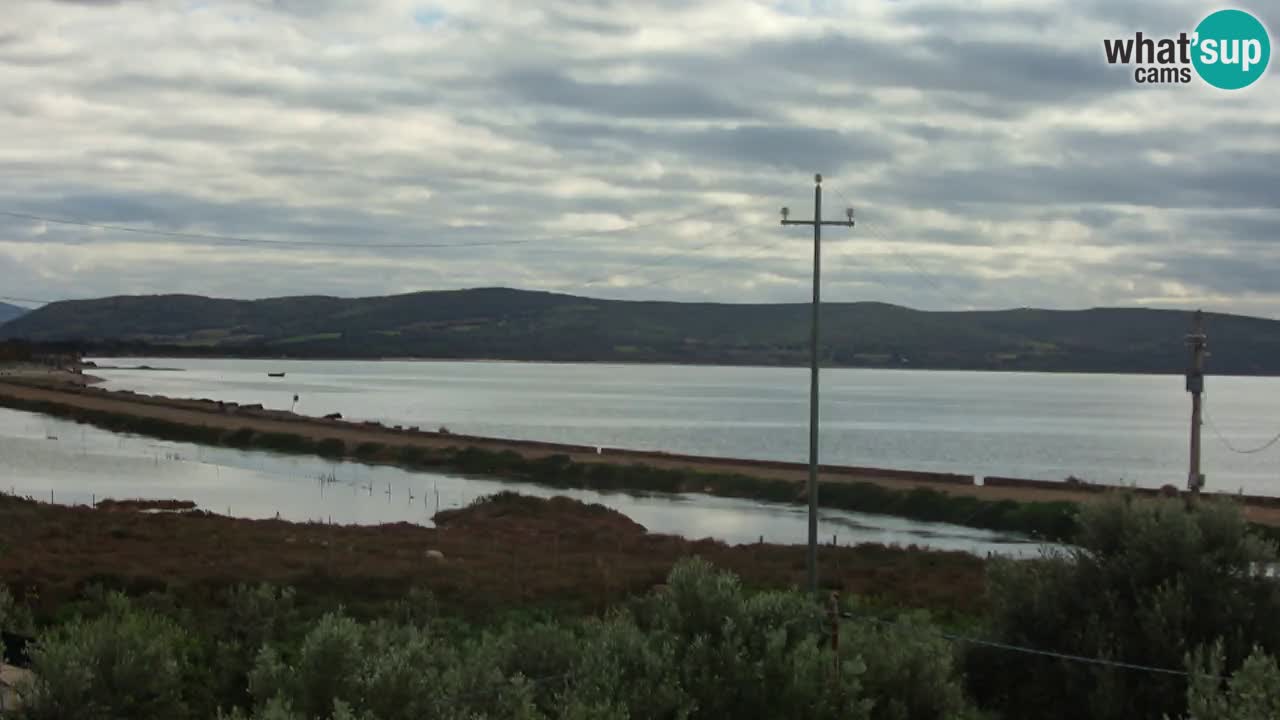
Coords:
55,459
1104,428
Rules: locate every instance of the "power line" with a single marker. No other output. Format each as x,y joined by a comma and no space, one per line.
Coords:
243,240
1068,657
930,279
212,238
1230,446
667,258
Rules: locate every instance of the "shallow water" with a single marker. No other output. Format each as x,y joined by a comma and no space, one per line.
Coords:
58,460
1104,428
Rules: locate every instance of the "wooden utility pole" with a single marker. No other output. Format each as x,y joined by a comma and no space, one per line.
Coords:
1195,385
817,222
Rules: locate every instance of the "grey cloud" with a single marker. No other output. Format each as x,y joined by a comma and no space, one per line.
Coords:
1234,181
791,147
572,21
1225,274
1006,72
674,100
349,95
997,131
968,19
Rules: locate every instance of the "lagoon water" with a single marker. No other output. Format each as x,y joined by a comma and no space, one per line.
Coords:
51,459
1122,429
1105,428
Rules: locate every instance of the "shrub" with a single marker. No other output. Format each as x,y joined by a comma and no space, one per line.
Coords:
326,669
123,664
757,657
1148,582
1252,693
241,438
256,616
911,671
412,454
331,447
369,450
622,672
283,442
387,672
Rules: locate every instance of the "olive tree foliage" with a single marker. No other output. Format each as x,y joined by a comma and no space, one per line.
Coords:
749,656
911,670
1252,693
125,663
701,648
1148,582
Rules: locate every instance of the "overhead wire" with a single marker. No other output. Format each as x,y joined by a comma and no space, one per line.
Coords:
203,237
1230,445
930,279
735,232
1022,649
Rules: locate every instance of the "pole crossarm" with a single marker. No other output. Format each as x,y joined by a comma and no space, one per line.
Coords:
825,223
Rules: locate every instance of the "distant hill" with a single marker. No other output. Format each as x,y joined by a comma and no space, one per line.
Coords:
9,312
500,323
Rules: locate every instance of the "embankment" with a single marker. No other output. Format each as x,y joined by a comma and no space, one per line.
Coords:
1028,507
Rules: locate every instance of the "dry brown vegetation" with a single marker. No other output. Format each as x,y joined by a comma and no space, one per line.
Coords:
136,505
530,553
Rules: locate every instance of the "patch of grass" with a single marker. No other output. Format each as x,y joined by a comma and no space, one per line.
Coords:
242,438
331,447
284,442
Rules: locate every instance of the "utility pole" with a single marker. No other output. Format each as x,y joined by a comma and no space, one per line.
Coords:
817,222
1197,341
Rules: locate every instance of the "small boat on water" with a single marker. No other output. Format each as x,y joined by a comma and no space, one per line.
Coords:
275,374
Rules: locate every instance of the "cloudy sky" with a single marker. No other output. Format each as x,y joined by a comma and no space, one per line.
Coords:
630,150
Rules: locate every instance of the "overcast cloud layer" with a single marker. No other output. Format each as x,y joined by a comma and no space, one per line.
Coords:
994,159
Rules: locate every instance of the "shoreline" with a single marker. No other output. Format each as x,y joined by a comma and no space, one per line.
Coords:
918,495
660,363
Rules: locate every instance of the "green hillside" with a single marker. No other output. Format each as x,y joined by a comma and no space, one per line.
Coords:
521,325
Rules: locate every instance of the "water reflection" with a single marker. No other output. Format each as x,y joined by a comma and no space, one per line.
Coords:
48,458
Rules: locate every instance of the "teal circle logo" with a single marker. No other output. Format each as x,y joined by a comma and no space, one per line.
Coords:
1232,49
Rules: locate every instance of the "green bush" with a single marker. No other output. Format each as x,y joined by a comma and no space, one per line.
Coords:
331,447
255,617
1252,693
241,438
412,455
744,656
1148,582
125,664
911,670
368,450
283,442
